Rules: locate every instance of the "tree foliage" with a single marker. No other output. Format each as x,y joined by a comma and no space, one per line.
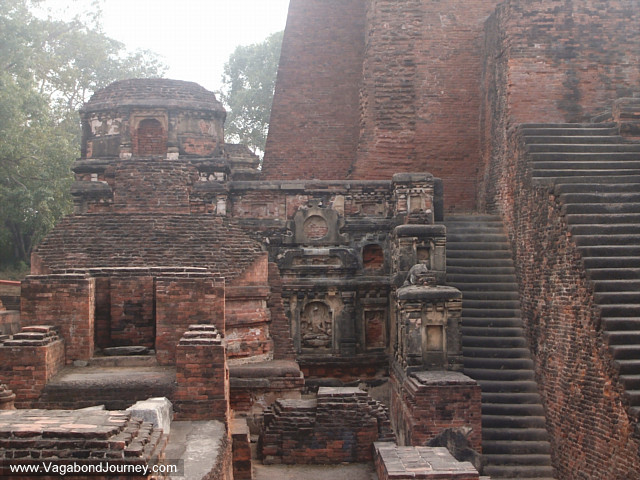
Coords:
48,69
248,85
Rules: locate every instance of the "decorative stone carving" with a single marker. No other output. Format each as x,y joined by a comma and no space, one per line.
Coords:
6,398
316,326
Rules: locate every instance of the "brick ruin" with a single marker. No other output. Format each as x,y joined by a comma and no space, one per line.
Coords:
331,297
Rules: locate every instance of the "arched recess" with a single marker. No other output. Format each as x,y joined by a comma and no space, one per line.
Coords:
150,138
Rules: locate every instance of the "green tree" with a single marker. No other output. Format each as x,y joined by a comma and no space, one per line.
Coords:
248,84
48,69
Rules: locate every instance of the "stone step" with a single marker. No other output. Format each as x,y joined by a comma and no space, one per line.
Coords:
567,131
626,324
573,139
610,298
621,310
625,352
495,324
608,230
498,364
593,263
515,447
596,197
522,472
494,342
633,396
478,253
478,276
491,331
601,147
464,238
591,124
515,434
628,367
486,286
470,245
521,398
573,159
475,263
474,218
590,178
503,352
492,312
571,172
512,421
624,285
509,386
589,208
508,270
602,218
591,187
622,337
512,409
614,274
609,250
506,375
631,382
469,229
492,296
489,303
606,240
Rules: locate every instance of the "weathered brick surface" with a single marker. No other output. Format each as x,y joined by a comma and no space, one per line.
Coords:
425,403
64,438
553,61
241,443
339,426
420,463
202,376
314,127
28,361
132,316
66,301
181,302
592,435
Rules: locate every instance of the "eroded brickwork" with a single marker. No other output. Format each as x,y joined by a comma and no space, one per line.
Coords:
29,360
590,428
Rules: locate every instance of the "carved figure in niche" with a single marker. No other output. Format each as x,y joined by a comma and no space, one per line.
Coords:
419,275
316,326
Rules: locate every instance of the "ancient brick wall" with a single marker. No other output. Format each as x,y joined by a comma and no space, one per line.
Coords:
447,399
67,302
553,61
591,432
185,301
340,426
132,312
29,360
418,66
314,125
202,376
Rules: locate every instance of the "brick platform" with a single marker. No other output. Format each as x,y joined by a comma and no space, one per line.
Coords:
78,437
393,462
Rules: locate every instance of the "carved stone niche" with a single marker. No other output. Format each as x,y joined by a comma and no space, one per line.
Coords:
428,323
317,225
420,244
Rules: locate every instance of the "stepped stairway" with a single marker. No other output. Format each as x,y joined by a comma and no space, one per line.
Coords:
595,175
514,437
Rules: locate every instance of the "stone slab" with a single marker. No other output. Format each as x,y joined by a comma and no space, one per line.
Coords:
157,411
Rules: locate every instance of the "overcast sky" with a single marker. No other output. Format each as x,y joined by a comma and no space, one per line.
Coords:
193,37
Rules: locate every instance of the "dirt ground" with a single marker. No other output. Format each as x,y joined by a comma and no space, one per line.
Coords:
354,471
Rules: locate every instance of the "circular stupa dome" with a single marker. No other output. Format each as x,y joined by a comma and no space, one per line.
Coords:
153,93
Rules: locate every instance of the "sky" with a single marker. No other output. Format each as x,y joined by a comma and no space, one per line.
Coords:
194,38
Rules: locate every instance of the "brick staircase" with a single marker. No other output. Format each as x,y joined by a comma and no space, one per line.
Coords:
514,436
595,175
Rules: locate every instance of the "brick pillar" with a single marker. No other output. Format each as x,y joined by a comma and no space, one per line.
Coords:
241,450
29,360
202,376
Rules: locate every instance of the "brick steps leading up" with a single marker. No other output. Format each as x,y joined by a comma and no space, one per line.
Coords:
593,173
496,353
